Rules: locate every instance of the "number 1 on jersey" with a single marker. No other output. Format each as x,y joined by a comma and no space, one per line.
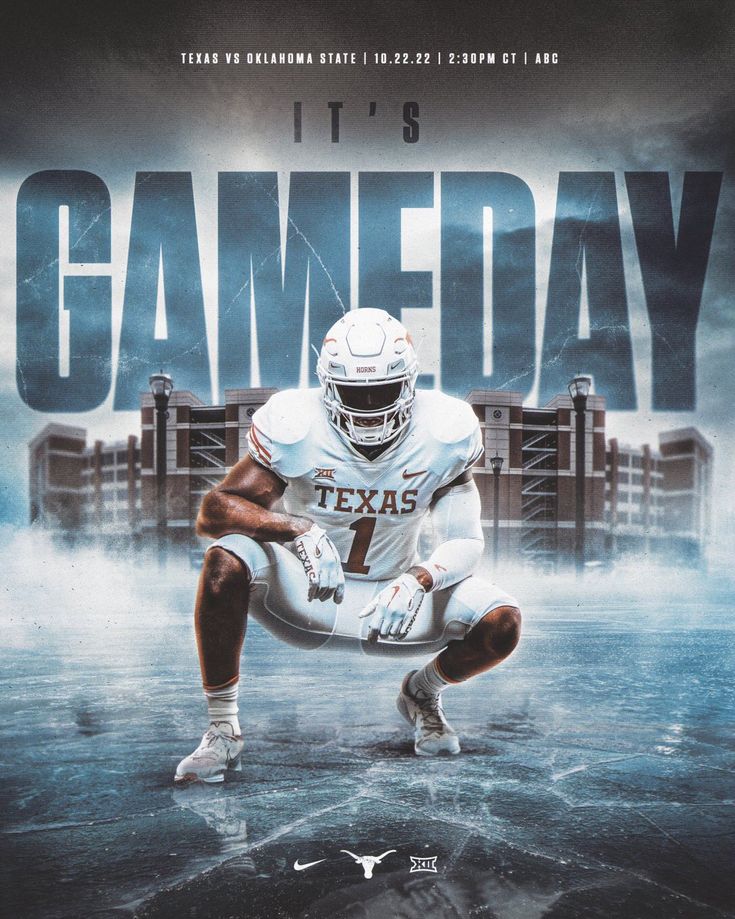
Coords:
364,529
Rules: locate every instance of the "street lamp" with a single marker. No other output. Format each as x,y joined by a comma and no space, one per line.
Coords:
496,463
579,390
161,386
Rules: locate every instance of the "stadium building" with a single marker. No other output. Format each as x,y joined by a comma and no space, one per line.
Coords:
76,488
637,500
537,498
659,501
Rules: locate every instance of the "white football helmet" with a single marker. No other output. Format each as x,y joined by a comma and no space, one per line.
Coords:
368,368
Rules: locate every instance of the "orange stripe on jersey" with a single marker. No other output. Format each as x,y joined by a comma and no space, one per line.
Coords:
257,443
258,452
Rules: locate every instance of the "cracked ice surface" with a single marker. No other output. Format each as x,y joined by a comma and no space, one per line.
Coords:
596,777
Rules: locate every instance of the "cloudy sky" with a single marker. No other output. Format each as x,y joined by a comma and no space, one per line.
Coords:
644,86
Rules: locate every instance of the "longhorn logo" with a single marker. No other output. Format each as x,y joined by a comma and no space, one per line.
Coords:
368,862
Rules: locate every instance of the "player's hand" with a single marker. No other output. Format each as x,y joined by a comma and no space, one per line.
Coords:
322,565
394,610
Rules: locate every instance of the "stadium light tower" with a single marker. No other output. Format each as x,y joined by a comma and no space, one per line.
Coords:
496,463
579,390
161,386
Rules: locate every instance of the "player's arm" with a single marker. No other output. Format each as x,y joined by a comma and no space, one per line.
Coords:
456,516
242,504
455,513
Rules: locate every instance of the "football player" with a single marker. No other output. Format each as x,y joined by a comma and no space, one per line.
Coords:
358,464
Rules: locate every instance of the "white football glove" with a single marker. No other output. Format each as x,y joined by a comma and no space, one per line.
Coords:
394,610
322,564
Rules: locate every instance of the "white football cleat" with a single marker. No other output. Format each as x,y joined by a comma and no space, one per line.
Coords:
219,750
432,733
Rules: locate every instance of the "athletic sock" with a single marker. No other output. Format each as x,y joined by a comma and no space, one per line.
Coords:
428,681
222,707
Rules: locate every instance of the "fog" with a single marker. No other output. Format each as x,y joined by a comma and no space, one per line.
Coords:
602,744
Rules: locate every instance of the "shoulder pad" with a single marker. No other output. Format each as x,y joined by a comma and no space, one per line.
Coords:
452,420
287,416
454,439
280,427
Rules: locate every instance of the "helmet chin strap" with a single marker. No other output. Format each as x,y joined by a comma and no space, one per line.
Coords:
375,450
370,435
395,422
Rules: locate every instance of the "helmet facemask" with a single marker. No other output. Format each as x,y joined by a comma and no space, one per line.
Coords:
368,368
369,414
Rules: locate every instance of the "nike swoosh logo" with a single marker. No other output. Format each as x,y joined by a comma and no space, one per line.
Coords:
412,475
297,866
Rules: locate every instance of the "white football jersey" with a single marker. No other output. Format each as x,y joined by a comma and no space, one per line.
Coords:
371,509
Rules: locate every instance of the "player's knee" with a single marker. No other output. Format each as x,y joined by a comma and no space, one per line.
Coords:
223,575
502,630
507,631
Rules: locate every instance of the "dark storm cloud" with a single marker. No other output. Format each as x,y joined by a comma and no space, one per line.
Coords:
710,137
50,37
73,72
704,141
696,132
641,86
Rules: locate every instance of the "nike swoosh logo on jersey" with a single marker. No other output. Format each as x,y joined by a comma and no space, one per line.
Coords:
412,475
299,867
